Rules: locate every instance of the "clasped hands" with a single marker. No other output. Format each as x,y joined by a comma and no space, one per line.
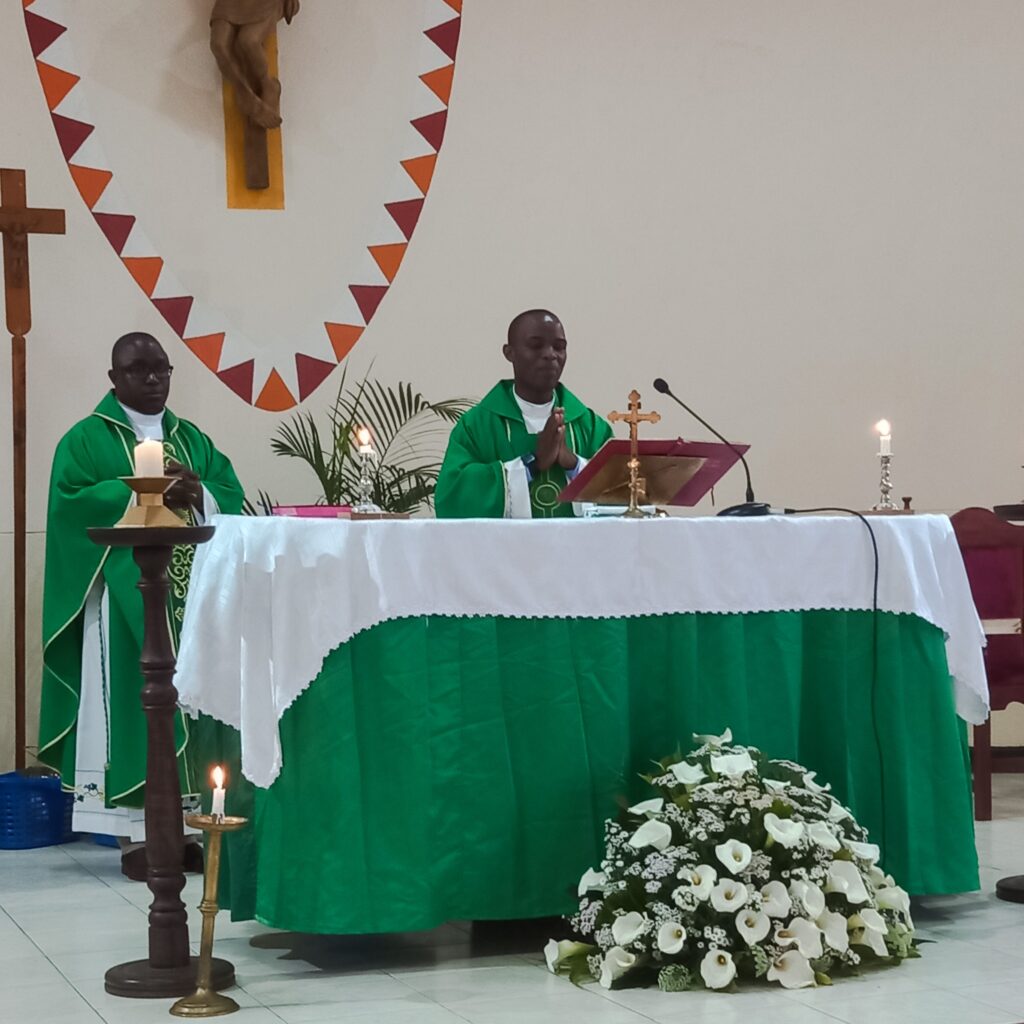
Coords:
187,489
551,446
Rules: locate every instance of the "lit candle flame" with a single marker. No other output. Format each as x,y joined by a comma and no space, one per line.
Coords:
363,436
884,427
218,777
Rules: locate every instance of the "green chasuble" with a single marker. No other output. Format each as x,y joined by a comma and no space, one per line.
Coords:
85,491
473,485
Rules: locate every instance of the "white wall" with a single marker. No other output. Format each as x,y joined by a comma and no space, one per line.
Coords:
806,214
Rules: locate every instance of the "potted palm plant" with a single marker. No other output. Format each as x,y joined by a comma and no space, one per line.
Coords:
409,435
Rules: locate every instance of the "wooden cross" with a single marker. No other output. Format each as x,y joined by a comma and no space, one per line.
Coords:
17,222
637,485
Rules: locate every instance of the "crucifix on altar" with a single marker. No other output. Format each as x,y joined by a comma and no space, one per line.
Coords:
637,485
17,221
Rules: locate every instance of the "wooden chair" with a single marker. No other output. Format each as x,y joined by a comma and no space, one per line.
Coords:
993,551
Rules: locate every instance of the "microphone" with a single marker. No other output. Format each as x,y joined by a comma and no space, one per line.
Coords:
750,507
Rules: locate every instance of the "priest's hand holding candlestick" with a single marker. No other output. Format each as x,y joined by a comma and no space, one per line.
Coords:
187,489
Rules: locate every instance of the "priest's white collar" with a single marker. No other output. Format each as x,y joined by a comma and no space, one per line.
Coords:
147,427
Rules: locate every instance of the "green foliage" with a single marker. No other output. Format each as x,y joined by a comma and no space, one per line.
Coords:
409,433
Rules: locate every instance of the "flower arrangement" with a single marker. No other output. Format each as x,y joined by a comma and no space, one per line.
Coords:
741,867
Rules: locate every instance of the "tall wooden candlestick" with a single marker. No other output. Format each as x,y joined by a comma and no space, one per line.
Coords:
169,970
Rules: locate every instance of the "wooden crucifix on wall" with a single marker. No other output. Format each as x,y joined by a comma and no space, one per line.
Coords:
17,222
239,33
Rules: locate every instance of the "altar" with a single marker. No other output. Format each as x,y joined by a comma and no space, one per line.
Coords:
430,720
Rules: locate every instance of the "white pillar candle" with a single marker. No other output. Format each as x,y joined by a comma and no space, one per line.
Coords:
884,429
149,458
217,809
363,437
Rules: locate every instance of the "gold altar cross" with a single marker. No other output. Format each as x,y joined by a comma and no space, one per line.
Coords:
17,221
637,485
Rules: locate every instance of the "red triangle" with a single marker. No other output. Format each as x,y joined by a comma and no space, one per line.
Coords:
239,379
343,337
41,32
175,311
405,214
91,182
446,36
432,127
145,270
208,348
71,134
117,227
368,297
311,373
56,83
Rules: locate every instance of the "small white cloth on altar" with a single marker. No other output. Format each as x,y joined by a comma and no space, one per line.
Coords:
271,597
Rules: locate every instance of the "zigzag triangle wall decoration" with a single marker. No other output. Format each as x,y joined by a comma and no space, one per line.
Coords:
121,226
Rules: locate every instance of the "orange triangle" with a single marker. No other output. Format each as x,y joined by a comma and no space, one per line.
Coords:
91,182
421,170
27,3
389,257
208,348
439,82
455,5
145,270
275,396
56,83
343,337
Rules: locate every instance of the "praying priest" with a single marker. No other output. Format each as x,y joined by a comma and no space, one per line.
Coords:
512,453
92,728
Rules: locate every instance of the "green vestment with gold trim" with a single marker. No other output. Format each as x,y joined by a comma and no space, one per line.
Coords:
85,490
473,483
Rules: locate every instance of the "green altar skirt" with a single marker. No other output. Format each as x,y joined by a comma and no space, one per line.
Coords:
461,768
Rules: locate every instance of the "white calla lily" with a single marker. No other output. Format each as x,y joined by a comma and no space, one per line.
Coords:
792,970
867,928
615,964
812,898
821,835
785,831
865,851
833,927
775,785
732,765
753,926
555,952
700,880
803,934
717,969
837,812
687,774
651,833
813,786
628,928
648,806
775,901
892,897
714,741
728,895
591,880
844,877
671,937
734,855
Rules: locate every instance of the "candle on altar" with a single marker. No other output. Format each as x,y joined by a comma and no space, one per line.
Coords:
149,458
884,428
363,437
217,810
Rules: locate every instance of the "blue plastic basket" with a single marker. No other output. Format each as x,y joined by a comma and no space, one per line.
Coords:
34,811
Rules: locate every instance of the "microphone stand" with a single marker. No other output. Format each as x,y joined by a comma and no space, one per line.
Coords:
749,507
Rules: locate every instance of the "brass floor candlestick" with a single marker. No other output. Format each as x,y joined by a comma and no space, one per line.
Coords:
169,970
205,1002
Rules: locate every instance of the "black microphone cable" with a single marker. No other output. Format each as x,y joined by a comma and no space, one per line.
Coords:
874,647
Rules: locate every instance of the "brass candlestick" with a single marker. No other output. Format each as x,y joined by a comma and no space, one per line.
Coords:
149,509
205,1002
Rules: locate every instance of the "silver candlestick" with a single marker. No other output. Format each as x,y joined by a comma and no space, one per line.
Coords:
885,503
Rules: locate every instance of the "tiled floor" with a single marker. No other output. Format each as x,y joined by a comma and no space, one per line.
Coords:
66,914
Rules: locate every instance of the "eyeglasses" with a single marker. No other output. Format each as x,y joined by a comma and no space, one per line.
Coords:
144,372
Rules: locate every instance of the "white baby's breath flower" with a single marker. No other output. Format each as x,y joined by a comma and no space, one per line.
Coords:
615,964
717,969
833,926
651,833
802,933
821,835
671,937
754,926
687,774
812,898
792,970
785,831
628,928
732,765
775,899
591,880
844,877
734,855
728,895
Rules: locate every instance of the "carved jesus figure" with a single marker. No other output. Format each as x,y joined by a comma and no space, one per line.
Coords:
238,29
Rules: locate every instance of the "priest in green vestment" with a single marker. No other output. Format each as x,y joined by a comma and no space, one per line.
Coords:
511,455
92,728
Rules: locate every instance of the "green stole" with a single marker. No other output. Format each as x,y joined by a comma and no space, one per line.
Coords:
85,490
472,480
